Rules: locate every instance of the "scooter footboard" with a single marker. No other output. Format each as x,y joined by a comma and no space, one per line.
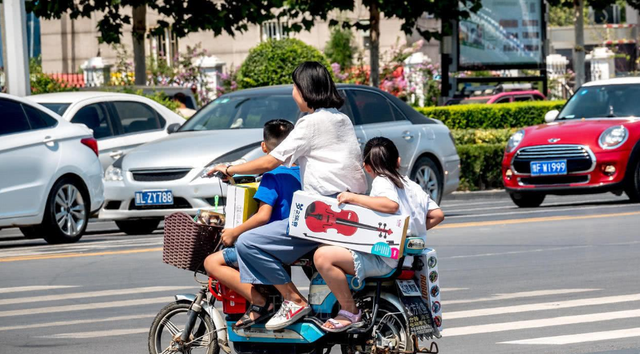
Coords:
305,332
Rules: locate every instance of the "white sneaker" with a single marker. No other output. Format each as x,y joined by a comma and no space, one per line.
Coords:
289,313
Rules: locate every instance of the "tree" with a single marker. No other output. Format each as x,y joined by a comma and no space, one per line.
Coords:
228,16
409,11
578,7
340,47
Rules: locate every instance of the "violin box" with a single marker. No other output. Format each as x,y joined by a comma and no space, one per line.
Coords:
321,219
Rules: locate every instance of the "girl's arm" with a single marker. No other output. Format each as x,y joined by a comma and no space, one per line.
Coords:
434,217
260,165
379,204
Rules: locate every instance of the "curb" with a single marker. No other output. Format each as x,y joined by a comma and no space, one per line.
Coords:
490,194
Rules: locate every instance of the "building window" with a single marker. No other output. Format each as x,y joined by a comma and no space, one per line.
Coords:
273,30
164,46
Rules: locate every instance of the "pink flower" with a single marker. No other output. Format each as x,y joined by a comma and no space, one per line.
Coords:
335,67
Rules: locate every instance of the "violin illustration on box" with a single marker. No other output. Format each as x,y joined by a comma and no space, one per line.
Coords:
321,219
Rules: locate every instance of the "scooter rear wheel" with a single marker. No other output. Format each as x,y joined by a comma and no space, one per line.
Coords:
392,334
168,325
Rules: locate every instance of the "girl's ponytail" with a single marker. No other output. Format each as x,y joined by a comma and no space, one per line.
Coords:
382,155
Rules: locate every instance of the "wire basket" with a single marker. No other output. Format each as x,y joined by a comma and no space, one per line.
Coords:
187,243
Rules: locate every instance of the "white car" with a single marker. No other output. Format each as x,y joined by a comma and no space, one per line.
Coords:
119,121
50,175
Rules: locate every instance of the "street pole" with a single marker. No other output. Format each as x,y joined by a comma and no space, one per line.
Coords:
17,64
578,48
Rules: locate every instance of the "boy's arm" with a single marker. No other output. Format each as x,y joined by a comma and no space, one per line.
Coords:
434,217
380,204
261,217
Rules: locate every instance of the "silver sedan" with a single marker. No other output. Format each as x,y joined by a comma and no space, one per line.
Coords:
163,176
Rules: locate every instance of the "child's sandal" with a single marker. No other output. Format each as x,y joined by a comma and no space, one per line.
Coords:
355,319
246,321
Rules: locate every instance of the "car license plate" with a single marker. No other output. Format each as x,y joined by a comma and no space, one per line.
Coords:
162,197
548,168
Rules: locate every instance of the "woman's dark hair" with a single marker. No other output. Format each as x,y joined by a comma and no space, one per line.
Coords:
316,86
382,155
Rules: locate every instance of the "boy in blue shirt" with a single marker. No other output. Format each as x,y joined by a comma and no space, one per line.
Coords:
274,196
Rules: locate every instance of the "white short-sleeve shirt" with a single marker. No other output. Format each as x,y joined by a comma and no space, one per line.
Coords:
325,146
412,200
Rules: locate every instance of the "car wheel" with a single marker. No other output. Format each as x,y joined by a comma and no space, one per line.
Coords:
427,174
138,227
633,184
32,232
527,200
67,212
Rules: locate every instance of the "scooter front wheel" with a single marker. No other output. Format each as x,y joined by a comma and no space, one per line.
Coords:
167,327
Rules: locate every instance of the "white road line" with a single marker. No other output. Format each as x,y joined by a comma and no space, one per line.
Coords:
541,323
72,323
91,294
541,306
19,289
580,338
528,212
98,334
92,306
525,294
79,248
503,201
453,289
513,207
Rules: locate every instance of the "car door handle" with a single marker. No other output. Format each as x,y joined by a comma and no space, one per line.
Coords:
116,154
48,139
407,135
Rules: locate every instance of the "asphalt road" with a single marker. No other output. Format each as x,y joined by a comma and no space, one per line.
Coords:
562,278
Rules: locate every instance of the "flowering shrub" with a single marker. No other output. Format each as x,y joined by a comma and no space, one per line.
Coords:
227,82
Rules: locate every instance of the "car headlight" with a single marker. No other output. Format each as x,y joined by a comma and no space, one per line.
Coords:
613,137
515,140
113,174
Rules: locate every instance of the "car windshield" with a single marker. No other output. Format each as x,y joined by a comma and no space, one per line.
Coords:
59,108
243,112
603,102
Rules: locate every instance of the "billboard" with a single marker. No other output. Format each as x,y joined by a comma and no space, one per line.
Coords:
503,34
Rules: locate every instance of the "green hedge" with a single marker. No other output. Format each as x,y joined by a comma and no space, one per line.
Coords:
482,136
492,116
480,166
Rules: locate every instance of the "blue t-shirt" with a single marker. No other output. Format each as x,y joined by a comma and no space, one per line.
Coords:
277,188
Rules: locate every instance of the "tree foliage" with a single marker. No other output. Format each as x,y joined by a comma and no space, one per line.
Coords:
340,47
273,61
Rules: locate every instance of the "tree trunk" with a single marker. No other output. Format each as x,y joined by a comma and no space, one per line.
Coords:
138,32
374,33
578,49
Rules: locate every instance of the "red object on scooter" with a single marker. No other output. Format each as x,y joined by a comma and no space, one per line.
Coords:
232,302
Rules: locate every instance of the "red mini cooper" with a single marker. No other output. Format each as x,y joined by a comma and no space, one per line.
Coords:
591,146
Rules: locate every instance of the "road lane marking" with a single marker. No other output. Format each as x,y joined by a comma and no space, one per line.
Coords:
78,322
541,323
91,294
541,306
28,252
453,289
546,205
91,306
97,334
19,289
580,338
541,210
532,220
72,255
520,295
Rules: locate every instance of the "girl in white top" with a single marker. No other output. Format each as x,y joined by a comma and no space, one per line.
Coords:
391,193
324,145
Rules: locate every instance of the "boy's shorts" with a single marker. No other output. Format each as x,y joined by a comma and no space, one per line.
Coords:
230,256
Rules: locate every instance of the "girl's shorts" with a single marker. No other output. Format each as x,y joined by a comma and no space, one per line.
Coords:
230,256
369,265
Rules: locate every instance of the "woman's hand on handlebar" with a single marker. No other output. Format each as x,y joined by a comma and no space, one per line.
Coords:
220,169
229,236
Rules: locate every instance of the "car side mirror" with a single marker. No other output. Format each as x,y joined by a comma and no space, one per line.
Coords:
551,116
172,128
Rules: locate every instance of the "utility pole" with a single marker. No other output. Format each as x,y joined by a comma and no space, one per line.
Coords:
578,47
17,64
